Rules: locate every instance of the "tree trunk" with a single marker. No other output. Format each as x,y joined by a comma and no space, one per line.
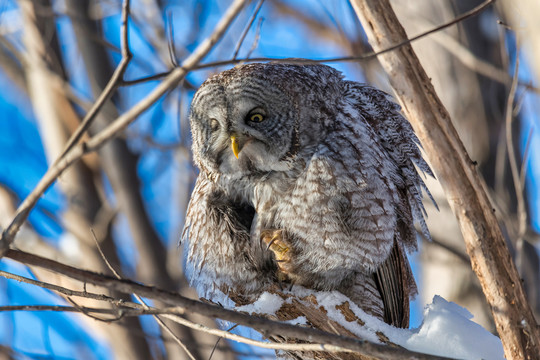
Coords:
457,173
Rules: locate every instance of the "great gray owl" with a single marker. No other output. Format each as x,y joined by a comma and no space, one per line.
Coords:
304,178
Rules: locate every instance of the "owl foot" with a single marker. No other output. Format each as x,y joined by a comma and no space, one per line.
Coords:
276,242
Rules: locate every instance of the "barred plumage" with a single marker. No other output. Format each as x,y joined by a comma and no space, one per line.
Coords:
325,178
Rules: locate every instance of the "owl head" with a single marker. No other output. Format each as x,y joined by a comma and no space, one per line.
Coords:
254,119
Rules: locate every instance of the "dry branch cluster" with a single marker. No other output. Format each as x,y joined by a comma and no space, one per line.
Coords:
79,150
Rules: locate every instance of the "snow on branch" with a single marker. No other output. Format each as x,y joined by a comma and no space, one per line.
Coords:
338,329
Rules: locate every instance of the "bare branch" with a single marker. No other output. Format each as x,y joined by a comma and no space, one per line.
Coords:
170,41
370,56
246,30
118,125
169,313
514,158
63,308
266,345
457,173
112,85
526,153
61,289
184,305
136,310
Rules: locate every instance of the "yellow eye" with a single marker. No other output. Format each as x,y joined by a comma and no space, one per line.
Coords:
256,117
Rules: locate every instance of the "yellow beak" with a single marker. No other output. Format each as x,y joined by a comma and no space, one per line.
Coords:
234,145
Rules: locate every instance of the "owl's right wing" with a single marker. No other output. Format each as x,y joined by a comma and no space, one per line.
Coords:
216,239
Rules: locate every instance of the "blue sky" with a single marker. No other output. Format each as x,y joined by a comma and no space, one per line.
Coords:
22,159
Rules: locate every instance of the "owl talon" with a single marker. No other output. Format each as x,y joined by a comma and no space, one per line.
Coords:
276,242
290,288
270,243
281,278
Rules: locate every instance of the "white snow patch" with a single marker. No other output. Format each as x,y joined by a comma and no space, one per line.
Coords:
221,298
330,299
267,303
447,330
301,320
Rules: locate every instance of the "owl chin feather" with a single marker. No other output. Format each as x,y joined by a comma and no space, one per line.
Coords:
254,159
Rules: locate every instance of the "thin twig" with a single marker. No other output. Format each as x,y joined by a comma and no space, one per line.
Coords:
256,39
526,152
513,160
112,85
512,156
170,41
370,56
70,293
246,30
169,331
118,125
218,340
182,305
61,289
103,255
143,303
118,314
65,308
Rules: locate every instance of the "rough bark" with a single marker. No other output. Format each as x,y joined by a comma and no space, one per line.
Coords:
457,173
463,92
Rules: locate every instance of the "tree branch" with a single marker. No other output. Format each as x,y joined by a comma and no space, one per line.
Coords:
146,307
513,159
457,173
368,56
113,83
184,305
118,125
